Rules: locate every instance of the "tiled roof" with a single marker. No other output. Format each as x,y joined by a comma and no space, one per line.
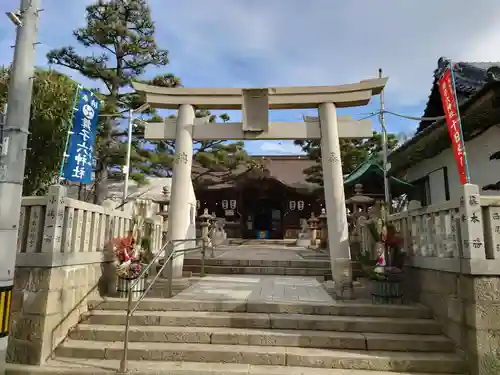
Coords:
470,77
286,169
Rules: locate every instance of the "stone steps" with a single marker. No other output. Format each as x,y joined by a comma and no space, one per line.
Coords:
305,263
266,355
256,242
177,336
350,309
262,321
248,270
79,366
267,337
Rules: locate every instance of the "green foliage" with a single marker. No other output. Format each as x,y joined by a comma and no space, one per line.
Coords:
53,96
120,37
212,158
354,152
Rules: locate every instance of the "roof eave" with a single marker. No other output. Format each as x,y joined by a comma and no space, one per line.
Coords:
403,152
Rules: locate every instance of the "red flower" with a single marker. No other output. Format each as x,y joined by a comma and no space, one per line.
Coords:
124,248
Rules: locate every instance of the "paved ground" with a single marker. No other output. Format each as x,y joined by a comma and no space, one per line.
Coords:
257,288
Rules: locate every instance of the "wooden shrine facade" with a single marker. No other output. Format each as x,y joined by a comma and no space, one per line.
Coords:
266,206
260,208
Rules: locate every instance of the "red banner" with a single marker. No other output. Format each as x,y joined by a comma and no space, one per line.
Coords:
449,100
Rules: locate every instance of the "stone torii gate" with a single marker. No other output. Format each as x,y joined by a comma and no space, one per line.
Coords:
255,105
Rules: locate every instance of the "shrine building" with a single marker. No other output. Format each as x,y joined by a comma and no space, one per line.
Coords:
265,202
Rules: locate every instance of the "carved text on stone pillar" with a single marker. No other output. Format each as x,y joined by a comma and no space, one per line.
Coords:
181,158
473,200
474,218
333,158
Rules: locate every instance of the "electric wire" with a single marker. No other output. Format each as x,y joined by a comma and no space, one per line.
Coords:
403,116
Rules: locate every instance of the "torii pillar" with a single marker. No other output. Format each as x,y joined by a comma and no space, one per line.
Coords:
333,184
180,215
255,105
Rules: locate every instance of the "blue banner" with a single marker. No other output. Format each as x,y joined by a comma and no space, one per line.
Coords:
80,151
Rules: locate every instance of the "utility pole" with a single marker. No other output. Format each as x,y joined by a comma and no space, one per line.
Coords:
126,167
14,143
385,151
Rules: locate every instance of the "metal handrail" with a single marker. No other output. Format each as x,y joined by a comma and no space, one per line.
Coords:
168,261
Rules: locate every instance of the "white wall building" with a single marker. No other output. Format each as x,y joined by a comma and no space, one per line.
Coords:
427,160
440,173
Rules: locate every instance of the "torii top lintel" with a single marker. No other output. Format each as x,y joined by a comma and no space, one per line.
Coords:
350,95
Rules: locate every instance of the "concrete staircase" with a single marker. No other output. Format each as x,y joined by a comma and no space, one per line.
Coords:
316,268
269,338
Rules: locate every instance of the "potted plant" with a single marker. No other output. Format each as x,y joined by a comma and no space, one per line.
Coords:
129,267
387,275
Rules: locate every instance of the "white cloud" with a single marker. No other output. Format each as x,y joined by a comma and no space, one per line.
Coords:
295,42
278,147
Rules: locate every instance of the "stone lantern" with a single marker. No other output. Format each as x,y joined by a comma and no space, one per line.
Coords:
163,202
360,204
313,223
205,222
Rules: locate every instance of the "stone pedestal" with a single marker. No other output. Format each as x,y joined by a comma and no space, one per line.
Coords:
471,225
342,279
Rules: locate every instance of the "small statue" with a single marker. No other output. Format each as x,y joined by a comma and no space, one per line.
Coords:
304,238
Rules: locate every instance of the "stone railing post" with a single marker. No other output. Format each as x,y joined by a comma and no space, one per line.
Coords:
471,223
54,220
157,232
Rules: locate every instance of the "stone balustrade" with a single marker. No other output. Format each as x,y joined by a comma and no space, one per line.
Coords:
63,258
453,267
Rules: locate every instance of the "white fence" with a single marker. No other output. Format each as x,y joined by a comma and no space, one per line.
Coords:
467,229
58,224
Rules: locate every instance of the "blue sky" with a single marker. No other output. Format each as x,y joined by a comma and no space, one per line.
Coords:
260,43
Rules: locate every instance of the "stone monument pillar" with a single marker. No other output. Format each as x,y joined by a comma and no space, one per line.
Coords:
323,229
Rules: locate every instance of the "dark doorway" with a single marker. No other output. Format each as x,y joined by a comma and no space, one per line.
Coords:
267,215
263,216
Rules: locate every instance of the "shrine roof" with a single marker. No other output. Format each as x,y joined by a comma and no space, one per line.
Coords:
370,174
470,77
479,103
288,169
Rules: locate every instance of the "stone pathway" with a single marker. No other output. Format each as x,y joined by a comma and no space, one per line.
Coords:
260,252
257,288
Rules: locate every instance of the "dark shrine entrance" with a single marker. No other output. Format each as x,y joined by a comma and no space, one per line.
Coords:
261,207
262,212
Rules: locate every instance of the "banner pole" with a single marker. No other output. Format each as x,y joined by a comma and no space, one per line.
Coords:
68,135
462,140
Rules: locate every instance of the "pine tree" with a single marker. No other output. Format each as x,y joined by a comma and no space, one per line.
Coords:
354,152
121,36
